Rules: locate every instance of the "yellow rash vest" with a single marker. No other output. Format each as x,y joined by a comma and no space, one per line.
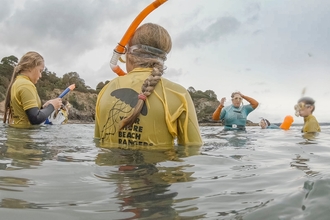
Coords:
168,113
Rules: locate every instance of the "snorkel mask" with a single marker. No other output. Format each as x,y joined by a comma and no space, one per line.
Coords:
237,98
144,51
300,106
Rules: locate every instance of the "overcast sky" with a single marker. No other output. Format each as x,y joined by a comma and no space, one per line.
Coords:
268,50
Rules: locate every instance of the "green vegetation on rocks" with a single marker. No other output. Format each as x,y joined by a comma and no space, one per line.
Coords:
83,98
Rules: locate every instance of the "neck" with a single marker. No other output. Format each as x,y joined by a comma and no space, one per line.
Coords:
25,73
307,116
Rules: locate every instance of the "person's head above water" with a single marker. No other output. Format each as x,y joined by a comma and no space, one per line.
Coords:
31,64
236,98
305,107
147,48
264,123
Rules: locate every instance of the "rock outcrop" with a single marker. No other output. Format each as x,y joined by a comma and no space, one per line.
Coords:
81,105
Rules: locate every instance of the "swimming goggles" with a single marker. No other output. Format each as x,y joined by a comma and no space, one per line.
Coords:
144,51
237,98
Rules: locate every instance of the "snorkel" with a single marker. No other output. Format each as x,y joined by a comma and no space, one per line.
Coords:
67,90
120,48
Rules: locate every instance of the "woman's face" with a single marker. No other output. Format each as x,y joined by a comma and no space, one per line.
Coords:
35,73
236,100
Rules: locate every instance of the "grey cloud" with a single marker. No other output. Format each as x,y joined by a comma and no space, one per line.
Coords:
190,17
257,32
103,74
5,9
196,36
223,26
173,74
60,25
252,12
265,91
253,19
252,9
258,83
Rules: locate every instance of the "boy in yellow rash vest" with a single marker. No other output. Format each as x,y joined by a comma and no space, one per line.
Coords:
142,108
305,108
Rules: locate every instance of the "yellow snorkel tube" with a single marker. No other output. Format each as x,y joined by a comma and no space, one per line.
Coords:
121,49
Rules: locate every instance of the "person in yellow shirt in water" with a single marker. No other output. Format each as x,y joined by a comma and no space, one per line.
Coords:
305,108
22,104
143,108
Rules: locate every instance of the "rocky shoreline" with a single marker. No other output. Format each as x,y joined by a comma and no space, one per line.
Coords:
200,124
81,108
220,124
203,124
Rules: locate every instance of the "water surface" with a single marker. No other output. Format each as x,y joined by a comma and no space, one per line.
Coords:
59,172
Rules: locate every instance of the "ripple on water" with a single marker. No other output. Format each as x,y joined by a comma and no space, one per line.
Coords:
258,174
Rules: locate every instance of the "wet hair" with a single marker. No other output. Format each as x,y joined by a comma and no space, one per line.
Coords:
234,93
267,122
155,37
308,101
28,61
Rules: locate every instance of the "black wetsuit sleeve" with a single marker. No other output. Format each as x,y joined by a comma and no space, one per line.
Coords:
37,116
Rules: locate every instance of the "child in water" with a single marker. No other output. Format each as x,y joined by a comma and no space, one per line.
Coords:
286,124
305,108
265,124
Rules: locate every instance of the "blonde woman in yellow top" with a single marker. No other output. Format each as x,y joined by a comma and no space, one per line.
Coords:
142,108
22,104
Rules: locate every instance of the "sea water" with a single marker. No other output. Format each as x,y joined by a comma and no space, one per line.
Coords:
59,172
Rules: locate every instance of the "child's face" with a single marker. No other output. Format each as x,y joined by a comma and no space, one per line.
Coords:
263,124
306,110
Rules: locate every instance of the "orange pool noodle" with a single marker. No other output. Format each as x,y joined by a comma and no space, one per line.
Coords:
287,122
